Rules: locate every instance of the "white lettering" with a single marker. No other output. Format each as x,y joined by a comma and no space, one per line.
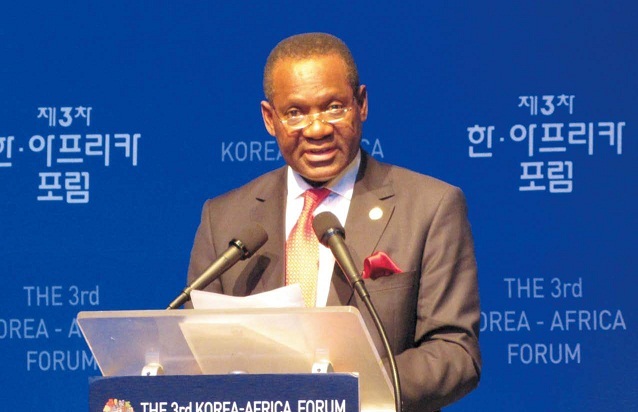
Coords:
154,406
241,151
23,329
268,151
507,321
74,330
252,151
543,354
588,320
321,405
226,152
525,288
84,297
377,150
43,295
562,289
58,360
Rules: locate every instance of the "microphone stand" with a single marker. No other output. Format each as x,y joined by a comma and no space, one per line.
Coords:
331,234
359,286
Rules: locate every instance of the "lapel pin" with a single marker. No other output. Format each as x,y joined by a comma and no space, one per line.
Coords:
375,213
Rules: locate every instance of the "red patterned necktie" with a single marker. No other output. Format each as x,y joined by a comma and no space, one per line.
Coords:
302,248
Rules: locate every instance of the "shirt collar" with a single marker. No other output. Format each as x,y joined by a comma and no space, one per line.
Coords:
342,184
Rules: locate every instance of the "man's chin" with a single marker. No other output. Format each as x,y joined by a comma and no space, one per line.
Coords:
320,175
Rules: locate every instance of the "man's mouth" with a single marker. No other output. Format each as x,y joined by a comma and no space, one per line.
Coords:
320,155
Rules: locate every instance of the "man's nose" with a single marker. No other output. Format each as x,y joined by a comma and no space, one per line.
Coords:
318,129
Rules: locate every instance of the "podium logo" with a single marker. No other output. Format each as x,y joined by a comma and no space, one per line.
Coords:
118,405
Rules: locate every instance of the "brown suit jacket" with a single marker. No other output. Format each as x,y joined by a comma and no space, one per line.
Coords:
430,311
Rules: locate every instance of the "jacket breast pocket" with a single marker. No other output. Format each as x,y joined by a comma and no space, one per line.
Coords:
395,299
400,280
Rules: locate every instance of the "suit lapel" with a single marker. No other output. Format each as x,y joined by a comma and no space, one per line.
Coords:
369,213
269,211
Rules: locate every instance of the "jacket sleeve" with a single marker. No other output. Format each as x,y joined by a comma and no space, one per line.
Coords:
203,252
445,362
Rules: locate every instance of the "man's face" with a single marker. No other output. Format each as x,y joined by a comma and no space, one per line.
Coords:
321,150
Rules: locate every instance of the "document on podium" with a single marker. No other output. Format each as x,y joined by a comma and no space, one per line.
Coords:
285,297
248,347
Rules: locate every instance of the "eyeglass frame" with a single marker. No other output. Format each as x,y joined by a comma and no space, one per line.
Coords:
312,117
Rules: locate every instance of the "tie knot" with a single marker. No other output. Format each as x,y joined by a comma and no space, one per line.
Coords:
313,197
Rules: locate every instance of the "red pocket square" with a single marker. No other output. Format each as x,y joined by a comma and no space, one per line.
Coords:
377,265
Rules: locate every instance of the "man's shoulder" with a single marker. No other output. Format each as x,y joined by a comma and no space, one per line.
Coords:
408,180
260,187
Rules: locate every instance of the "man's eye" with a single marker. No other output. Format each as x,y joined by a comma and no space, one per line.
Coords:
290,114
335,107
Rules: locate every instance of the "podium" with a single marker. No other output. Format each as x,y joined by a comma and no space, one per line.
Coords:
328,352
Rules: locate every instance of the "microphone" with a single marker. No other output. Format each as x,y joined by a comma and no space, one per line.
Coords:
249,241
332,235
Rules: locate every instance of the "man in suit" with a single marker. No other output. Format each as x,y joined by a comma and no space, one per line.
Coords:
315,109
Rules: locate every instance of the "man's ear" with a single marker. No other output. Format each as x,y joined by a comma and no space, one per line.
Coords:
362,101
268,114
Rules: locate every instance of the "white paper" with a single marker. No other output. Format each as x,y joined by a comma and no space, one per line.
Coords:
285,297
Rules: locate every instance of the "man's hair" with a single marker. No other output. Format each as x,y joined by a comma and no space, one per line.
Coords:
307,45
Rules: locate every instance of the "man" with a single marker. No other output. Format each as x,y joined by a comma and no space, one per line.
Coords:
315,109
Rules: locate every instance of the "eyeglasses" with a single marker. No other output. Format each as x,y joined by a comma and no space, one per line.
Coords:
294,121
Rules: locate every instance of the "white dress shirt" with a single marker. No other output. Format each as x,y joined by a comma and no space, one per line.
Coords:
337,202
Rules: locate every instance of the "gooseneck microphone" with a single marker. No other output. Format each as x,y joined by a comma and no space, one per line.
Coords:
242,247
332,235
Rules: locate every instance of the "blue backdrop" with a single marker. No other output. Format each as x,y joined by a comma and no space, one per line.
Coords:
118,119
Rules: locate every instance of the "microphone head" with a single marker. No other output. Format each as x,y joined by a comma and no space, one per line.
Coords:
327,225
250,239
